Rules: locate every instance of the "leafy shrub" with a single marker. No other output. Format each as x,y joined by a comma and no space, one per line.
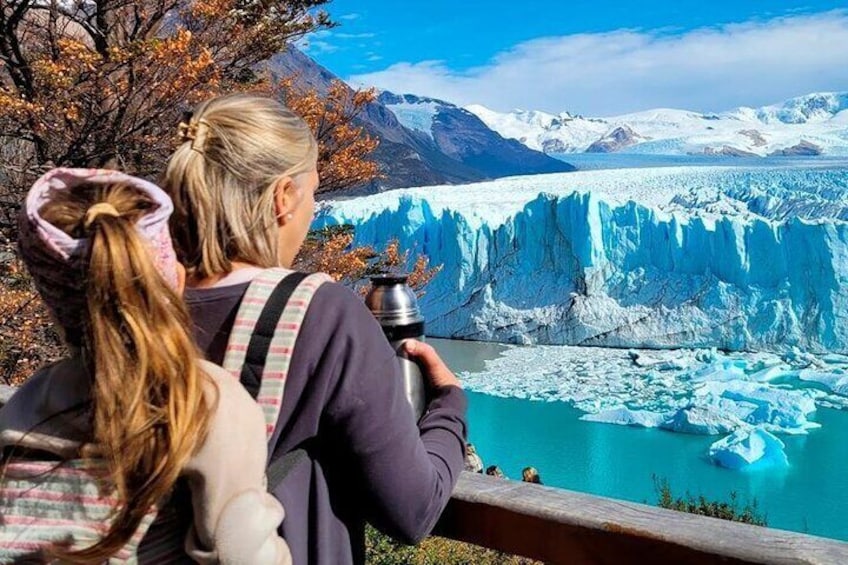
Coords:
748,514
27,337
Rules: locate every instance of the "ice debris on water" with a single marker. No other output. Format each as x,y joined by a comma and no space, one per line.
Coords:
751,396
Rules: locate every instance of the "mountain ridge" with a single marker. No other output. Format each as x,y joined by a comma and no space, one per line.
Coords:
463,136
817,122
409,156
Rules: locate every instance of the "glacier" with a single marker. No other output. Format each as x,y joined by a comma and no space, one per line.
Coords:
728,257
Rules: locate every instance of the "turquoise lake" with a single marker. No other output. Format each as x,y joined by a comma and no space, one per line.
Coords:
810,495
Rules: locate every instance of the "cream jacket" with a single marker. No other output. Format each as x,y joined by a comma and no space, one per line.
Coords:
235,520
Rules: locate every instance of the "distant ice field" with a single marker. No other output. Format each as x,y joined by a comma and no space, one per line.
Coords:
704,392
626,160
808,188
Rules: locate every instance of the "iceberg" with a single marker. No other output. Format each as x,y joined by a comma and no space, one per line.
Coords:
744,448
781,409
626,417
704,420
698,257
834,382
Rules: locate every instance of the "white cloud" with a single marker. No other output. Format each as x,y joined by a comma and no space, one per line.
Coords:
317,46
708,69
353,16
355,35
325,41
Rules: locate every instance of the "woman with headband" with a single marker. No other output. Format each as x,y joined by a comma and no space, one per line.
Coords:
243,183
93,446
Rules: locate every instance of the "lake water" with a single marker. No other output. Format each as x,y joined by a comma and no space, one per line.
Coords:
810,495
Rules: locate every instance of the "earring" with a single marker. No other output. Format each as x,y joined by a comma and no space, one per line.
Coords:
289,217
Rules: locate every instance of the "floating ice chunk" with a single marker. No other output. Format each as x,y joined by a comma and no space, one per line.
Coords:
646,361
624,416
772,373
835,359
800,359
707,355
679,364
835,382
833,401
706,420
642,360
784,409
726,370
746,447
738,409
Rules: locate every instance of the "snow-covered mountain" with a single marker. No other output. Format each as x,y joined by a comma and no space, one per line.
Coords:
736,258
808,125
462,136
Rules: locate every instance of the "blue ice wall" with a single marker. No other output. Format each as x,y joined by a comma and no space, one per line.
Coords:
578,269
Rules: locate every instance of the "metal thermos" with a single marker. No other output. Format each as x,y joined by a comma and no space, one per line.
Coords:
394,305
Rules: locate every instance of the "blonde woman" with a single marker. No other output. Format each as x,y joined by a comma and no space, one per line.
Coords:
243,182
133,408
531,475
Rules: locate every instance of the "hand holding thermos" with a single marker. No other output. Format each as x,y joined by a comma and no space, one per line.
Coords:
434,368
394,305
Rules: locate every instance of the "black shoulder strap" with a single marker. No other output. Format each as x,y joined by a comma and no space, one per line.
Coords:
281,466
260,340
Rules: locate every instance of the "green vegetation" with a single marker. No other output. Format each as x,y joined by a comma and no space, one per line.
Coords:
382,550
748,514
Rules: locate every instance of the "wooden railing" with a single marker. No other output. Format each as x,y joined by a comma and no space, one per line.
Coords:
559,526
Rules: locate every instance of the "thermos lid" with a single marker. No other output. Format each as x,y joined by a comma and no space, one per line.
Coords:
392,301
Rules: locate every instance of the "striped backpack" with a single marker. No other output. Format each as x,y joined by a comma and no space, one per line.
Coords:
45,501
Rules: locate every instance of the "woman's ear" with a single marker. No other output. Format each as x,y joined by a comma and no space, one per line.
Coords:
285,199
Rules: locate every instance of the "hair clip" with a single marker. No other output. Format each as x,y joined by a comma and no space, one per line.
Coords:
196,132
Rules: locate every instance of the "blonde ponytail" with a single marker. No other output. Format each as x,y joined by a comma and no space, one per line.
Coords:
222,179
148,408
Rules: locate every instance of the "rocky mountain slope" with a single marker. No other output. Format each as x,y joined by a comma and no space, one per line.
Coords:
458,147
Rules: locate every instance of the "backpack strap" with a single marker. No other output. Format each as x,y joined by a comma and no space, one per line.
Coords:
264,331
247,316
281,466
267,324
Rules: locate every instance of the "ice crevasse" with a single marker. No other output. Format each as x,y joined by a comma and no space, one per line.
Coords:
654,258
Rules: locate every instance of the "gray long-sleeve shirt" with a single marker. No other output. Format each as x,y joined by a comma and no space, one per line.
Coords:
344,402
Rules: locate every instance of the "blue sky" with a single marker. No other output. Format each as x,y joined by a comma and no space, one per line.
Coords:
597,57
